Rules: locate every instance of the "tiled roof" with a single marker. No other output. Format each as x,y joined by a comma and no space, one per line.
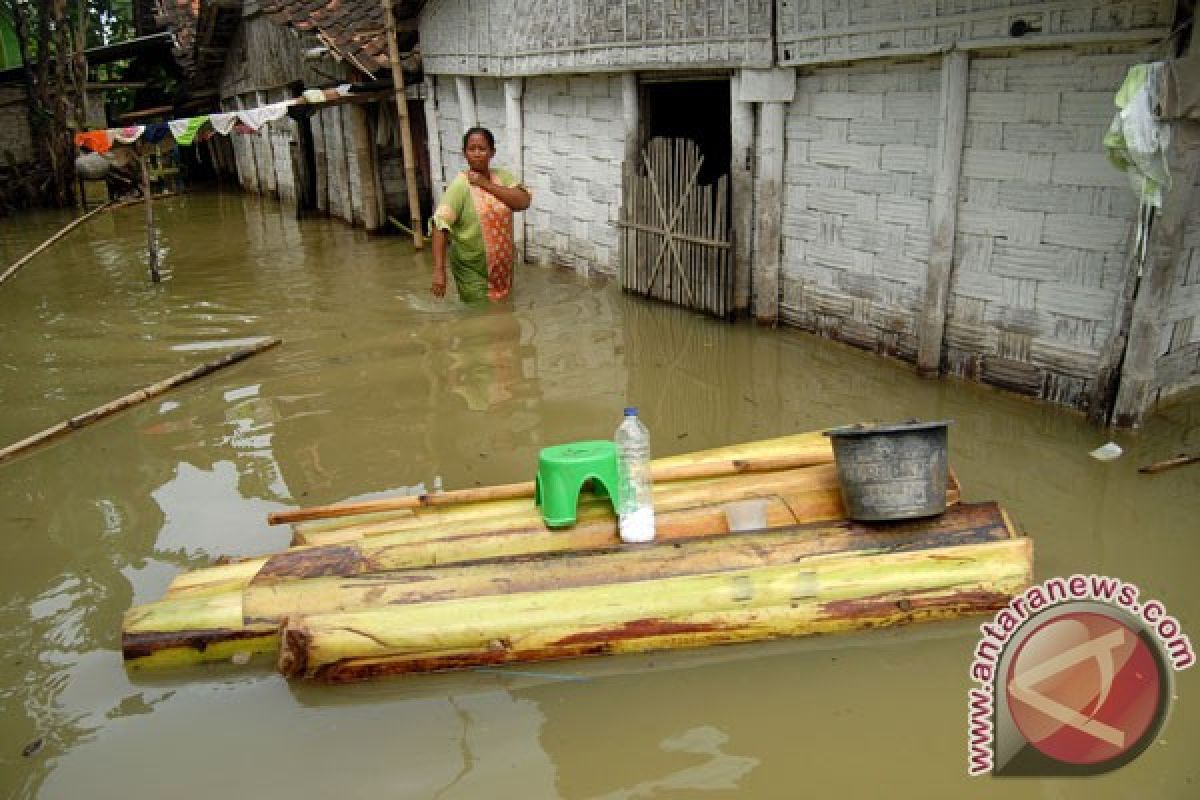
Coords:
354,27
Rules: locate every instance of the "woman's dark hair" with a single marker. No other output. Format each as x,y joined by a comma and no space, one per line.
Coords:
484,132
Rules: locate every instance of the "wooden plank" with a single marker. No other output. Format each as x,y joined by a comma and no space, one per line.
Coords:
944,212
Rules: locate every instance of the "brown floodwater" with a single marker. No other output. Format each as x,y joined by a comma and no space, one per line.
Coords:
377,388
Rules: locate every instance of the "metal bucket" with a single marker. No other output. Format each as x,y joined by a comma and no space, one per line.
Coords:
892,471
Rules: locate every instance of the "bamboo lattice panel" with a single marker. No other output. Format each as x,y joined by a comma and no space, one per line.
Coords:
677,242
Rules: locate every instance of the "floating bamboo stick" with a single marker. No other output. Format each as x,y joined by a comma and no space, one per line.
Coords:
133,398
25,259
1181,460
526,489
818,594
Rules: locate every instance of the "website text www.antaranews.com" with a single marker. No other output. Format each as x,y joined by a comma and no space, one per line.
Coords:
1048,594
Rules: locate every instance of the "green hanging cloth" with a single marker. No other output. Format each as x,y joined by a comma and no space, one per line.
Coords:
185,130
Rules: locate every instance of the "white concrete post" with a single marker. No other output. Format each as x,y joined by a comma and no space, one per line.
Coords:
434,133
629,166
774,90
514,121
768,234
741,168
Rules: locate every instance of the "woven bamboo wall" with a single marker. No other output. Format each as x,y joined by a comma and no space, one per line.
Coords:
531,37
861,144
1043,220
823,31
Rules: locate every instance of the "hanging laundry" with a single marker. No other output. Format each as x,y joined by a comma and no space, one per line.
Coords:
185,130
127,135
155,132
223,123
244,129
96,141
257,117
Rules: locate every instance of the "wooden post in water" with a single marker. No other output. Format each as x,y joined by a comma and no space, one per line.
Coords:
943,216
741,170
1163,262
410,163
768,236
151,239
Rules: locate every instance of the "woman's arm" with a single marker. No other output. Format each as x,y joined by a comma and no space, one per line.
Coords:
439,263
514,197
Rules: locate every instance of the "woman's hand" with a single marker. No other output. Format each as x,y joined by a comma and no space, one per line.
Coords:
479,179
438,287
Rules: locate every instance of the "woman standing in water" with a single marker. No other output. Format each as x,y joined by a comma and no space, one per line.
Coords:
474,222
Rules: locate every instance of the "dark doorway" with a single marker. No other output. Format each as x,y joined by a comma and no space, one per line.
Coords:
690,109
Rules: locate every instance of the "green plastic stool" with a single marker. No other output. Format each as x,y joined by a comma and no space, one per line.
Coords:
562,470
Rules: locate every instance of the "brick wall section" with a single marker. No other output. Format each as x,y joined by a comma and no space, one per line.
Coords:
574,145
861,145
14,124
1044,222
1178,366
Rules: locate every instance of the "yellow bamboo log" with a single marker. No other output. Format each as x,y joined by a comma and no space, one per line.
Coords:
174,633
525,490
596,525
271,602
833,592
808,448
200,628
684,510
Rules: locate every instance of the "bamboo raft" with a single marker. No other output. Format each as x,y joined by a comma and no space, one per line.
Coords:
432,585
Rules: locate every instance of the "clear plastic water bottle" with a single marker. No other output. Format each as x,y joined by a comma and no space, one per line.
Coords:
635,507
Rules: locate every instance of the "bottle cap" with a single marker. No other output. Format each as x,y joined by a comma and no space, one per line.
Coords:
631,411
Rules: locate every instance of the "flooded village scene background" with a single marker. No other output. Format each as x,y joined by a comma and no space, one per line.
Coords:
221,227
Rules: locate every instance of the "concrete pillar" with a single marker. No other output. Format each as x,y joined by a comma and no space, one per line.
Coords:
515,145
741,168
768,218
434,134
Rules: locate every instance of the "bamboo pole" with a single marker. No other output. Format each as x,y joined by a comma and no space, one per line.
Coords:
133,398
196,628
819,594
511,491
1181,460
70,226
410,164
151,239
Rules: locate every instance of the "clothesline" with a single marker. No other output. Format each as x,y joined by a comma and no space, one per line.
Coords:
186,130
